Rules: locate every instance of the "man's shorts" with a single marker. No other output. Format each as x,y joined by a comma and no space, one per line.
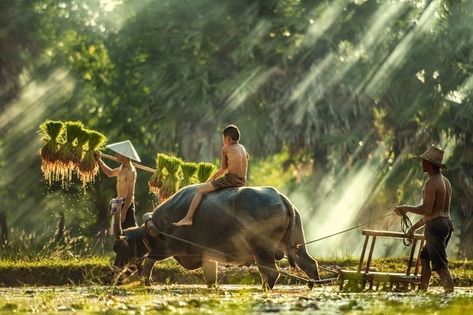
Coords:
228,180
130,219
116,204
437,234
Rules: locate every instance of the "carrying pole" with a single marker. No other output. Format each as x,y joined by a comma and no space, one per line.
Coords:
139,166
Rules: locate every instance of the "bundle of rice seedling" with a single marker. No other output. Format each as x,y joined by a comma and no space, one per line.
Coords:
50,132
188,171
88,167
171,180
77,154
66,151
156,181
205,171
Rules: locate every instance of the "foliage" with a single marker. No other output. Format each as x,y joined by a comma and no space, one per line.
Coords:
336,84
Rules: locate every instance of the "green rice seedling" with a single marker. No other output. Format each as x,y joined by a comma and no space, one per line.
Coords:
50,132
171,180
189,169
205,171
88,167
78,153
156,181
66,151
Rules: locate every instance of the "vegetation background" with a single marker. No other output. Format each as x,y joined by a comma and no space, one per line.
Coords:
333,99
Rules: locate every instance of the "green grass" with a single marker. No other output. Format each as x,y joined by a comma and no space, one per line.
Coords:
55,271
86,288
98,261
97,270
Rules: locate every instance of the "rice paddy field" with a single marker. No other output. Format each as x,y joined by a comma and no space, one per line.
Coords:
227,299
85,286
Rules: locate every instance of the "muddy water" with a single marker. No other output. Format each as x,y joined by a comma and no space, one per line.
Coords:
228,299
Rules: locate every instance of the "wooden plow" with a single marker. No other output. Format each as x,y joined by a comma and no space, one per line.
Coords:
363,276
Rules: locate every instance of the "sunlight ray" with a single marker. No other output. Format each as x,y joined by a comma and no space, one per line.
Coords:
396,58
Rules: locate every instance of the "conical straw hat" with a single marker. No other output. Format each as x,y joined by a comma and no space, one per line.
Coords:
125,148
434,155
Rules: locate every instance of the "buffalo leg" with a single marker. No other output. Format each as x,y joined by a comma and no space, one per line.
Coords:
308,265
147,270
267,268
209,269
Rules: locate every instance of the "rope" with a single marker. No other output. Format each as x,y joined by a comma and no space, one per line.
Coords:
406,224
344,231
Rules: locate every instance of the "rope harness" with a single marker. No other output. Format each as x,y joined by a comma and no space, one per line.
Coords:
322,281
406,224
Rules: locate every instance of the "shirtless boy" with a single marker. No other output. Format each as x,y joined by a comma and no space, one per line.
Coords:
233,168
435,209
126,179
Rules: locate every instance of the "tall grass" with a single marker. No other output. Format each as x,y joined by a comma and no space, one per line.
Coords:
30,247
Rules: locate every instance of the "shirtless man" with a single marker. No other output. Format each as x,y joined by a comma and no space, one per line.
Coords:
126,179
233,168
435,209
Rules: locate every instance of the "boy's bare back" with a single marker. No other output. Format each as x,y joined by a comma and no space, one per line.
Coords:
236,159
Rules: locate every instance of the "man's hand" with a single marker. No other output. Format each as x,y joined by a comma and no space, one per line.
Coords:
400,210
97,155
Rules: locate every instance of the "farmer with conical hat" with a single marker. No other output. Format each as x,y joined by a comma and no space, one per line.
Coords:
126,179
435,209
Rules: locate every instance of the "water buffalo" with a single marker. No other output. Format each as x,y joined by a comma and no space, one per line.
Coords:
234,225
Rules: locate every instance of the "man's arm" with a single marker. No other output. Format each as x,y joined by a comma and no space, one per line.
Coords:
223,167
130,194
427,202
415,227
104,167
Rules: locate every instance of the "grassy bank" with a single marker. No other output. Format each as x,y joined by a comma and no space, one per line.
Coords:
97,270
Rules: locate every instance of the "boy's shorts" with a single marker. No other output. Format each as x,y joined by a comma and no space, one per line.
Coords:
437,234
228,180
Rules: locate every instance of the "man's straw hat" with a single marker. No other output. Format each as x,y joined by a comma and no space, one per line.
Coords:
434,155
125,148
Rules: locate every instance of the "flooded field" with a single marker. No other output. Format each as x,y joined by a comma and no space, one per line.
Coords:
228,299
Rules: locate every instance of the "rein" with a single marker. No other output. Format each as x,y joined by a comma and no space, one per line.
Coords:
406,224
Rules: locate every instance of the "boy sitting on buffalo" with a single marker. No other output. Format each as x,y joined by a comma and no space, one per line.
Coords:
233,168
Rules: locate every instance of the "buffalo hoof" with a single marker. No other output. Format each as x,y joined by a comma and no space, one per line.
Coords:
310,285
213,285
266,287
